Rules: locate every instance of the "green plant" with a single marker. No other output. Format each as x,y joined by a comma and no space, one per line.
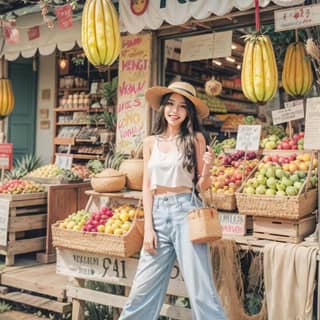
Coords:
78,60
110,91
4,307
110,120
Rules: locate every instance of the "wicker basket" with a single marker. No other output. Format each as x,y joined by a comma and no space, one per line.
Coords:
109,180
134,171
100,243
223,201
284,207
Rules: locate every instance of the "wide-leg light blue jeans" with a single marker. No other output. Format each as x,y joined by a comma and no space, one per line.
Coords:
153,273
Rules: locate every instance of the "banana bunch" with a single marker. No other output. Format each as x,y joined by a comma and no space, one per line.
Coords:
6,98
259,75
100,33
297,75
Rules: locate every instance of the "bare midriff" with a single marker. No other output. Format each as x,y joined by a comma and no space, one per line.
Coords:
170,191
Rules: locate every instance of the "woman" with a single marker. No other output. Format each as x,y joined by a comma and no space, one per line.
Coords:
175,160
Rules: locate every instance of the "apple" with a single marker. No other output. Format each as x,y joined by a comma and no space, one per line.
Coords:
281,186
280,193
271,183
291,191
261,189
270,172
294,177
279,173
270,192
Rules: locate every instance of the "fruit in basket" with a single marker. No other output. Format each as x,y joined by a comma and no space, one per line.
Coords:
97,221
18,186
82,171
100,32
259,75
270,142
296,143
75,221
47,171
297,77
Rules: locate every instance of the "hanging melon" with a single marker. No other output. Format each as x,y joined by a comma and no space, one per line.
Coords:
100,33
297,77
259,75
6,98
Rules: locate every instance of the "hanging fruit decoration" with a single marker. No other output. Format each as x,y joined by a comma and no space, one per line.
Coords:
100,33
6,98
6,93
259,74
297,77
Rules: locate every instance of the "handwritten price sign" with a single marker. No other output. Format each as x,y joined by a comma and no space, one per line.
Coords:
248,137
298,17
290,113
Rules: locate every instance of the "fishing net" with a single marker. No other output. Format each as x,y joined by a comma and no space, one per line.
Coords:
239,281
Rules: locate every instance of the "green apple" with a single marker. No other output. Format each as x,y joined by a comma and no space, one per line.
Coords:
261,189
301,174
261,179
279,173
281,186
270,192
271,183
280,193
294,177
291,191
270,145
270,172
287,182
298,185
249,190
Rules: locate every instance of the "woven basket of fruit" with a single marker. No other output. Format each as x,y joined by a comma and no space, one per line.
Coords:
285,187
227,176
108,180
104,232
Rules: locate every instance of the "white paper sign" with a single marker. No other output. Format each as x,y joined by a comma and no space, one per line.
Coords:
248,137
207,46
298,17
287,114
312,124
293,103
99,267
4,219
64,162
233,224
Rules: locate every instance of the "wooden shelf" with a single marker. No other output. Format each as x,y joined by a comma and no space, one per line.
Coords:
71,124
70,109
73,89
227,97
66,141
82,156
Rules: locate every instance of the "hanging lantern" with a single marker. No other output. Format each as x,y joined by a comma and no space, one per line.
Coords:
6,98
100,33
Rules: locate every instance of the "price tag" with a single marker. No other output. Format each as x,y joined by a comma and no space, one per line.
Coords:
312,127
288,114
248,137
4,218
293,103
6,156
64,162
298,17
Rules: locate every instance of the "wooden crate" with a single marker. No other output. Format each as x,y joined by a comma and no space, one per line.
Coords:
283,230
23,224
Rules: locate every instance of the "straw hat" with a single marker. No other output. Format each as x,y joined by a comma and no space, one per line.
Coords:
153,96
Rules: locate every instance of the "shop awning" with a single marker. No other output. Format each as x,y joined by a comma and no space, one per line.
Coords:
48,41
151,14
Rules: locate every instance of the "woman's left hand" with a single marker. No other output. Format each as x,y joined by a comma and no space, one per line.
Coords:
208,156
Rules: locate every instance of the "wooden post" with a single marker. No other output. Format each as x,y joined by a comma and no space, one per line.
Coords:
78,306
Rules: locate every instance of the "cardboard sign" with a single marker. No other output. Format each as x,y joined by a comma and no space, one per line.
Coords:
294,112
312,127
248,137
233,224
64,16
4,220
298,17
6,151
134,79
120,271
207,46
64,162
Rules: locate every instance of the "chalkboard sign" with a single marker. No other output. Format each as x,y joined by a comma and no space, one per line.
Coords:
248,137
4,219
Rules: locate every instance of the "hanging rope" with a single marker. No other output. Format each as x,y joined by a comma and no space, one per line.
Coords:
257,14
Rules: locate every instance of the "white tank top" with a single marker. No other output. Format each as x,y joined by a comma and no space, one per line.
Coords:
166,169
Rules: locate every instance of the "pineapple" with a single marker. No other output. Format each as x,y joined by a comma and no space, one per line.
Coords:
23,166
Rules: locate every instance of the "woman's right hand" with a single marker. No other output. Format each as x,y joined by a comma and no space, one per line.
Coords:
150,241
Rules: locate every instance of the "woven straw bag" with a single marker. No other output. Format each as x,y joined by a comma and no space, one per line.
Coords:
204,224
133,168
109,180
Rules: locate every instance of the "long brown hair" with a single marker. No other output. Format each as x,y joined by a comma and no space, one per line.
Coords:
189,127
